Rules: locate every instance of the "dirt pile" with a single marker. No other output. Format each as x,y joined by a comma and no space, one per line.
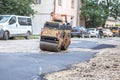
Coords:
105,66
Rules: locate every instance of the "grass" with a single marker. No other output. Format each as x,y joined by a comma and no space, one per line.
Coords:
35,37
31,37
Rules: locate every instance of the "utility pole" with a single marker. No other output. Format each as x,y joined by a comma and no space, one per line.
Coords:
78,12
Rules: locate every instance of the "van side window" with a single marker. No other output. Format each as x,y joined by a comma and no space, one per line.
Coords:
12,20
24,21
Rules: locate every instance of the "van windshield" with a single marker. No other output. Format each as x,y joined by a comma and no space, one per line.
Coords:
3,19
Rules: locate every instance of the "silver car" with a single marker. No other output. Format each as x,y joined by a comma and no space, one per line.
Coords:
93,32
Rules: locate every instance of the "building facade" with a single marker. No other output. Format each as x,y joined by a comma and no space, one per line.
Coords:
43,8
110,22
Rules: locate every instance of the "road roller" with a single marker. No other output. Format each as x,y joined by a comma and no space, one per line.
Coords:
55,35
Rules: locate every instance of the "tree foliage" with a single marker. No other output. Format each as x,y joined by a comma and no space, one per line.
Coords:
96,12
16,7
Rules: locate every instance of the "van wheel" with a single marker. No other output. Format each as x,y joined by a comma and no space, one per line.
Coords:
27,35
6,36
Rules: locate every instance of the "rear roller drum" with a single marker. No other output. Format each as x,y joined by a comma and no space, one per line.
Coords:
66,44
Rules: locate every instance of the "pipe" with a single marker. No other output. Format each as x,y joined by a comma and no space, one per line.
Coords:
54,6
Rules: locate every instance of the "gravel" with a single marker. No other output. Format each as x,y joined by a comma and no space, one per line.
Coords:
105,66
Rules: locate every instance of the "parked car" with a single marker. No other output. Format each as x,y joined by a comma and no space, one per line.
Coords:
79,31
93,32
85,32
76,32
115,31
107,33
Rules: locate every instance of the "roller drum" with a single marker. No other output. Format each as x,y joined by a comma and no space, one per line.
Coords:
47,46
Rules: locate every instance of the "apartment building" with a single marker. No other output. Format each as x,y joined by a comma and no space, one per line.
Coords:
110,22
43,8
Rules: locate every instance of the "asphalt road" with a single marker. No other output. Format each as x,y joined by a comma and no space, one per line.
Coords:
23,60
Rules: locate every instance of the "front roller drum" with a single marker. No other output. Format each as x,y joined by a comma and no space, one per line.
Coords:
47,46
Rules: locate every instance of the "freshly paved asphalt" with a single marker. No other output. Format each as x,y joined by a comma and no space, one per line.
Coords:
29,65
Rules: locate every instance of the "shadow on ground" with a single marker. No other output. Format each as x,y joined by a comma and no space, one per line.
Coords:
83,44
103,46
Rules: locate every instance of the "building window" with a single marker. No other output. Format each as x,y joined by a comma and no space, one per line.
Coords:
59,2
37,1
72,3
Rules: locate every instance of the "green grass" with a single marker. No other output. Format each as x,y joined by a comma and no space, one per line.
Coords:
35,37
31,37
118,25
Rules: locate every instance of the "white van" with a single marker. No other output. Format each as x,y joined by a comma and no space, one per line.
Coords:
13,25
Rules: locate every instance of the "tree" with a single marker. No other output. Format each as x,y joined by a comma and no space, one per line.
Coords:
115,9
92,13
16,7
111,8
98,11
